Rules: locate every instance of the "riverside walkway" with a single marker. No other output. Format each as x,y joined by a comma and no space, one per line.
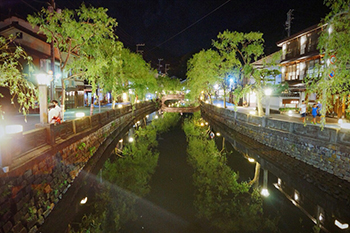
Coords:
33,119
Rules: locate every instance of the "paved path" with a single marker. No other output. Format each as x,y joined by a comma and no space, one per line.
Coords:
33,119
294,117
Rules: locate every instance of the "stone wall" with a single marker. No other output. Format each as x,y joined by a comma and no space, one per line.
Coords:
326,149
41,171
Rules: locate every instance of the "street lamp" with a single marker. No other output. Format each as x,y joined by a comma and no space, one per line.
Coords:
43,81
268,93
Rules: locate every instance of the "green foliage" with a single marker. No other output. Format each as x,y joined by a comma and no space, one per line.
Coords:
220,198
334,44
167,85
202,73
81,146
78,35
128,178
12,76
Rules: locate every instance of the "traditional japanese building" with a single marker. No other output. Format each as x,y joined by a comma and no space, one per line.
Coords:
35,45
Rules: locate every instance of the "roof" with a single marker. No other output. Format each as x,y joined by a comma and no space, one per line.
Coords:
305,31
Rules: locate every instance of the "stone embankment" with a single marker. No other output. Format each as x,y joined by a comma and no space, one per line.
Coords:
326,149
43,163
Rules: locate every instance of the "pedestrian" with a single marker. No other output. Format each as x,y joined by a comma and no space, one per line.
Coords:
53,115
319,107
302,110
58,108
314,113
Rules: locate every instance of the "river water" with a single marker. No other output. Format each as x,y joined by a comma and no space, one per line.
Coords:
169,205
298,196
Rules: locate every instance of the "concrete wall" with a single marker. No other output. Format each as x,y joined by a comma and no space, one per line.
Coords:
326,149
45,162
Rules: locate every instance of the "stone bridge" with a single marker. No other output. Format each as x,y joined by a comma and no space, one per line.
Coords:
177,109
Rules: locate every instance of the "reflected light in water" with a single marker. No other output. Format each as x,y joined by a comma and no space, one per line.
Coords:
251,160
83,201
218,134
341,225
265,192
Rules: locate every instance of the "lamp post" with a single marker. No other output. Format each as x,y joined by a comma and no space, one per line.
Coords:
43,81
268,93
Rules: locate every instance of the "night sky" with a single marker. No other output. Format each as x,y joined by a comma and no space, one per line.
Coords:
171,29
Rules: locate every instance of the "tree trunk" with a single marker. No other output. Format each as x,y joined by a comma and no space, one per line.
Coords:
113,103
258,102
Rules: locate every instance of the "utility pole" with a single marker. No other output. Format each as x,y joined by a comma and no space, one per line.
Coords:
159,65
166,68
52,83
289,20
138,50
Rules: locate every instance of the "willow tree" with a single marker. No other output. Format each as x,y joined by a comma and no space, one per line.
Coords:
110,78
238,51
168,85
137,75
76,34
332,77
12,76
202,73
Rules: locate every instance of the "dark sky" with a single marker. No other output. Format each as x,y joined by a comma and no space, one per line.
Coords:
173,28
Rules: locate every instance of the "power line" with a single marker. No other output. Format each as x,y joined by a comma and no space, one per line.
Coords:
191,25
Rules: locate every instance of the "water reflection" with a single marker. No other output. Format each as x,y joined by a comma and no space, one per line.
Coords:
230,205
125,178
321,197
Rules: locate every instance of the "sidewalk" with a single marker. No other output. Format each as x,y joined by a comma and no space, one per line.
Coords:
33,119
294,117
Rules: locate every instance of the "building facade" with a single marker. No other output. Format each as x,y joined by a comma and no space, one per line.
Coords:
35,45
299,58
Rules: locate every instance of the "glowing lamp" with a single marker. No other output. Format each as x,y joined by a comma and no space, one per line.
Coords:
265,192
13,129
43,79
79,114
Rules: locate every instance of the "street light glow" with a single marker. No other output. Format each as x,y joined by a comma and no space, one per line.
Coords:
265,192
13,129
83,201
341,225
79,114
268,91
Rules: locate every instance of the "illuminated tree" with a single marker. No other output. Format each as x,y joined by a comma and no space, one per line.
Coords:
77,34
12,76
332,77
202,73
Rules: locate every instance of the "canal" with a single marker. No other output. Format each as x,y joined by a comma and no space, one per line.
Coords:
168,202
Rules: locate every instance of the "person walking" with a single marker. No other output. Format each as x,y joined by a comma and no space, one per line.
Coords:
314,113
302,110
